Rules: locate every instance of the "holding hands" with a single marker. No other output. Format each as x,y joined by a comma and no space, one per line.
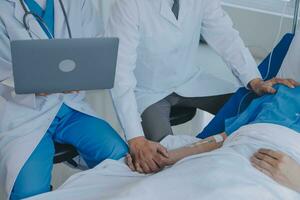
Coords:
149,157
146,156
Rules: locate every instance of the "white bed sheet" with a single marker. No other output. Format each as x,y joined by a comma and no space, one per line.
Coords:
223,174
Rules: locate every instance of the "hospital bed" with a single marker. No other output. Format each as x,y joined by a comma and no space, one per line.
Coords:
205,176
222,174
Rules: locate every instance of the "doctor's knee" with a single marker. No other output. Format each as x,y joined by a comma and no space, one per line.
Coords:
26,191
106,144
119,150
115,149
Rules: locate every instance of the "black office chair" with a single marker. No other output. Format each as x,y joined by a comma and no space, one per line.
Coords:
66,153
181,115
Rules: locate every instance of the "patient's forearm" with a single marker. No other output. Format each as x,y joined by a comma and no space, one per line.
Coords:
174,156
202,146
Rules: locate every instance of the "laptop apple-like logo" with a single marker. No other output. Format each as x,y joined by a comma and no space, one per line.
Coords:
67,65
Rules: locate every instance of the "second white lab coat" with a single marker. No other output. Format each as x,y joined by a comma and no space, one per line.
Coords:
158,54
24,119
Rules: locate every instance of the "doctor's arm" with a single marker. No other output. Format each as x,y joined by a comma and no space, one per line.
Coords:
5,58
123,23
6,76
218,31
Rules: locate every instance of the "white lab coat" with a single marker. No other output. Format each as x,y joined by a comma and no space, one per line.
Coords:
158,54
24,119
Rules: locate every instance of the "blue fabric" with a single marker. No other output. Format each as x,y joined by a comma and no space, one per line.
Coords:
283,109
94,139
47,15
231,108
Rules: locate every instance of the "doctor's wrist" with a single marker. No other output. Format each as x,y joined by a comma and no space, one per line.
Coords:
137,140
253,84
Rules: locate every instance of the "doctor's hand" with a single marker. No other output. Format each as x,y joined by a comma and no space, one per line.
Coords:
46,94
261,87
279,166
148,157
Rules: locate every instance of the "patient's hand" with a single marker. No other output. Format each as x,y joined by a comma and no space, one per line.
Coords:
261,87
279,166
206,145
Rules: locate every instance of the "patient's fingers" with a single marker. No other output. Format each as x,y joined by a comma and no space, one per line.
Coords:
154,167
129,162
261,156
274,154
266,172
163,151
262,164
161,161
139,168
145,168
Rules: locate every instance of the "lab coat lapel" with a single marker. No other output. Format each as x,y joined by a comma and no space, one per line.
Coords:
185,8
60,30
34,26
18,12
60,25
166,12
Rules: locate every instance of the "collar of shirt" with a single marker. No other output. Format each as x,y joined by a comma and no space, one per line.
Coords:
171,3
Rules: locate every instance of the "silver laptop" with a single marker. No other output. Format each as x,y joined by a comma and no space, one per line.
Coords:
60,65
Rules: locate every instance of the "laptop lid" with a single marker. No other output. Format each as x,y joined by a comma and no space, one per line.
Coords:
60,65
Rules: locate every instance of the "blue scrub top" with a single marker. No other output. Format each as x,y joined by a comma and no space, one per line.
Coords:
282,108
47,15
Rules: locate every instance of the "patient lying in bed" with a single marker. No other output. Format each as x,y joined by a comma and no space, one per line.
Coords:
226,173
282,109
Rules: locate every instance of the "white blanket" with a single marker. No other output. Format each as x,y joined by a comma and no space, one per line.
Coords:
223,174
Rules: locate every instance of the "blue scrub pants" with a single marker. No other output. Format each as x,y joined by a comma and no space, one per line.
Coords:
94,139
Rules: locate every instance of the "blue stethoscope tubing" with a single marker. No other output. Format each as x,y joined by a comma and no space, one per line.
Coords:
38,18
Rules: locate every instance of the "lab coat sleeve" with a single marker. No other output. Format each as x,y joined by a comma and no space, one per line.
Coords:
5,64
6,77
123,23
218,31
92,22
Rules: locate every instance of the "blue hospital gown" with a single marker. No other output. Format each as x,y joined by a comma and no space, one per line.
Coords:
282,108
